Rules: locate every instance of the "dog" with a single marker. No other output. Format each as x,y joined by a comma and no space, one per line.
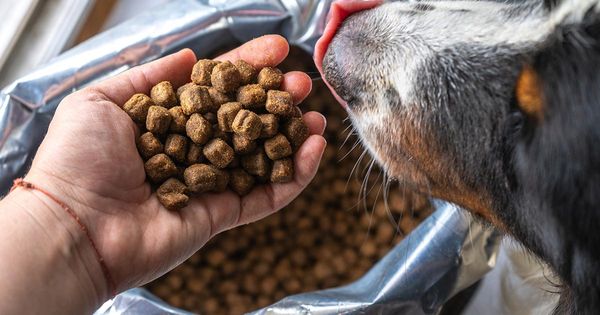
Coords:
493,106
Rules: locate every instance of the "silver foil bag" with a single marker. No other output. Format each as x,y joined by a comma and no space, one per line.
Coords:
445,254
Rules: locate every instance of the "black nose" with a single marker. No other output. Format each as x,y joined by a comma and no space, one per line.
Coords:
335,74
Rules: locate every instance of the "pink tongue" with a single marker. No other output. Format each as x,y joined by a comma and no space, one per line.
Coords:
340,10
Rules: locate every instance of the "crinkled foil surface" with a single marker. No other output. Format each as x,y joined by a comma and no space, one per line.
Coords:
446,253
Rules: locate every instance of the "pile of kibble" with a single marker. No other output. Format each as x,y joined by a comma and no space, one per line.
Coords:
325,238
229,127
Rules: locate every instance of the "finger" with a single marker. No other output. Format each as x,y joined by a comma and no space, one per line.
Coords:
298,84
176,68
265,51
315,122
266,199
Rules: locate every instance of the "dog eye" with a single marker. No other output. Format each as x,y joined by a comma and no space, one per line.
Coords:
528,93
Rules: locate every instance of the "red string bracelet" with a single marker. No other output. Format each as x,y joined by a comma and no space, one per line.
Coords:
19,182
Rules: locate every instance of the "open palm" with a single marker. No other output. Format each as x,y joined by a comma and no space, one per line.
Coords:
89,158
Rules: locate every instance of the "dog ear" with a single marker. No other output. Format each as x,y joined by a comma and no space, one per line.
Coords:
528,93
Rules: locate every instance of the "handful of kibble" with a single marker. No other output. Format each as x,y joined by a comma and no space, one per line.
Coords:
229,127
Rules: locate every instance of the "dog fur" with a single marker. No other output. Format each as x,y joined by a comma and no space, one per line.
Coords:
430,88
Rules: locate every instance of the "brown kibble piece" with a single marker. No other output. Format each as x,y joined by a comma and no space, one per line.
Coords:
270,78
247,71
171,194
176,147
217,97
252,96
158,120
247,124
178,119
243,145
256,163
137,107
295,131
280,103
278,147
202,71
226,114
196,99
283,171
240,181
200,178
222,180
148,145
270,125
218,152
163,95
159,168
183,88
225,77
198,129
194,154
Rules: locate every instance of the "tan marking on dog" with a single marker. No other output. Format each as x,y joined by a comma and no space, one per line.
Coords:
529,94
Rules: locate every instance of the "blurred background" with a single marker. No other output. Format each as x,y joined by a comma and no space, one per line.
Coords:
329,236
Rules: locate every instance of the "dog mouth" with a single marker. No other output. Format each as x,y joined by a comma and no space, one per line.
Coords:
340,11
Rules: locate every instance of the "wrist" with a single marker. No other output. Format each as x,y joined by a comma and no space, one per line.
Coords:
59,255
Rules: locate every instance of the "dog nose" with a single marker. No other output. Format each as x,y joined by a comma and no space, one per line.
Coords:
339,11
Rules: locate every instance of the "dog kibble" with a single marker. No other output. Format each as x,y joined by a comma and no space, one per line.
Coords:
158,120
198,129
163,95
225,77
202,71
218,152
295,131
247,71
280,103
252,96
270,78
240,181
270,125
137,107
176,147
183,88
159,168
247,124
278,147
148,145
226,114
222,180
242,145
194,154
196,99
211,131
178,120
256,163
217,97
200,178
171,194
282,171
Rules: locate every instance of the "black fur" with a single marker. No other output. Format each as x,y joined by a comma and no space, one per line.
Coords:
543,175
558,165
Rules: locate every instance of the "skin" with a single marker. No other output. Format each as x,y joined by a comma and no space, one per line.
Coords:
89,160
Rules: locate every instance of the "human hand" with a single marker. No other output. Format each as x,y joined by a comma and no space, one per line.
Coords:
89,160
